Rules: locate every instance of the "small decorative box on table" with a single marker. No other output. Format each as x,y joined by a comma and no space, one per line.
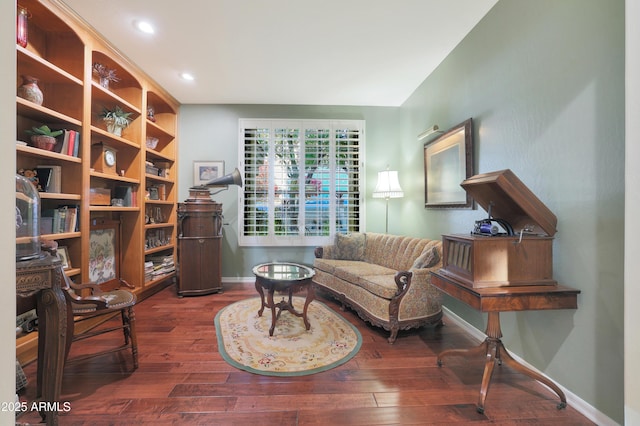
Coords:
513,247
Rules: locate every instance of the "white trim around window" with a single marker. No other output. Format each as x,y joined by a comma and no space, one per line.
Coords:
303,181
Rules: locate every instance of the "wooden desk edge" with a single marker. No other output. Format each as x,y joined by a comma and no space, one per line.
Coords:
514,298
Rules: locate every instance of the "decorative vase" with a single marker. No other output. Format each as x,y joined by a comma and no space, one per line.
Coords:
21,26
104,82
113,128
30,90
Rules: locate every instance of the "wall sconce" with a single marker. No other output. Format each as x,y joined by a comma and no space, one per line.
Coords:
388,186
430,131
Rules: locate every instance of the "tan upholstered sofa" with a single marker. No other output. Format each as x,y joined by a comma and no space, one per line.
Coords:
385,278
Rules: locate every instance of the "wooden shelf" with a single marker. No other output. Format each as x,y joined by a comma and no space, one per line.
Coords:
60,53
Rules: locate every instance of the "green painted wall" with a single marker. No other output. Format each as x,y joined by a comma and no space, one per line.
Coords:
544,83
210,132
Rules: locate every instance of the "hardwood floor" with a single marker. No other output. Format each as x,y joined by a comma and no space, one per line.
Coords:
182,379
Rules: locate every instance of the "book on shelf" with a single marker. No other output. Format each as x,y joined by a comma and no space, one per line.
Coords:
71,220
76,146
57,220
72,142
61,219
62,145
162,191
134,196
53,176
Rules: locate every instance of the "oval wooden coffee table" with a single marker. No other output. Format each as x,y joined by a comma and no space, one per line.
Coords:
283,277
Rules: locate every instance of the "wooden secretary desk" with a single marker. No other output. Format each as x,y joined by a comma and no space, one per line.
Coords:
505,264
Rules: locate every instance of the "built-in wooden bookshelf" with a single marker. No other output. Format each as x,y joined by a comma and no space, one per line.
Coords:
60,53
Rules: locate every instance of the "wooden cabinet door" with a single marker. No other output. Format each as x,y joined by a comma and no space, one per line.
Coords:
200,268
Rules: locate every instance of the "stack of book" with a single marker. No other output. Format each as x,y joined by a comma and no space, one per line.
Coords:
148,271
162,265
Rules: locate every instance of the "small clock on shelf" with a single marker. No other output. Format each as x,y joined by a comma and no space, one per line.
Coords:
103,158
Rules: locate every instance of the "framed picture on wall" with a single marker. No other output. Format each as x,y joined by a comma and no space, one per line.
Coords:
205,171
448,160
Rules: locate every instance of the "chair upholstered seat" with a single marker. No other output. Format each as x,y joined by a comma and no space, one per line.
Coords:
115,299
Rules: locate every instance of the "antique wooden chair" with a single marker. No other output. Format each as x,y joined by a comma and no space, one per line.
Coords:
99,303
106,294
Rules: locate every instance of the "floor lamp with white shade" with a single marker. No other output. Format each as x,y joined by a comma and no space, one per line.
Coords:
388,186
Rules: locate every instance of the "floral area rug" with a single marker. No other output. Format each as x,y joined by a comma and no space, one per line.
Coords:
244,341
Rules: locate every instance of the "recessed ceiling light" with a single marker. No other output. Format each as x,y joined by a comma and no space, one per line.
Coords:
144,26
187,76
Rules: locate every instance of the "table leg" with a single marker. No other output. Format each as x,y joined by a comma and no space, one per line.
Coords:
495,352
272,305
261,293
307,301
506,357
52,337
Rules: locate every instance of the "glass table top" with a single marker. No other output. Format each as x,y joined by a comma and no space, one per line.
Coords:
283,271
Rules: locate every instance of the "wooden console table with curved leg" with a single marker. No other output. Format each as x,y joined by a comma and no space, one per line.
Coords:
494,300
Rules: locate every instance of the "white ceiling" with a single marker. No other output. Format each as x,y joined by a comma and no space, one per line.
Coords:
298,52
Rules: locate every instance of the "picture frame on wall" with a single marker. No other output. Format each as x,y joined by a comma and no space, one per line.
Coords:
63,255
205,171
448,160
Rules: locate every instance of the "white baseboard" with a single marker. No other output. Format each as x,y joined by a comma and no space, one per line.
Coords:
243,280
573,400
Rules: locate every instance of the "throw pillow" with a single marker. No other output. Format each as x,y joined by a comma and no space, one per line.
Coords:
350,246
427,259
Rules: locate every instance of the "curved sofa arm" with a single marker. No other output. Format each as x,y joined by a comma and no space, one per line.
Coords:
324,252
403,282
421,297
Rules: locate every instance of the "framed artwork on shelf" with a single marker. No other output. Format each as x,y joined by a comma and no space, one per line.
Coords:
63,255
204,171
104,253
448,160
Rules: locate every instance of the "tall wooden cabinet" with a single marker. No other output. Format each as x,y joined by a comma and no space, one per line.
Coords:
199,246
60,53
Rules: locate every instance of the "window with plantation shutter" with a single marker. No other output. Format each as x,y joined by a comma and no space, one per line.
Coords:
302,181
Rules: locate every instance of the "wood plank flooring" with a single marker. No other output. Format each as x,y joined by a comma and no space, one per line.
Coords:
182,379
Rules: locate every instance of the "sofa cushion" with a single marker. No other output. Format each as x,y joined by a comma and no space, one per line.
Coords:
350,246
429,258
381,285
374,278
352,272
329,265
392,251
